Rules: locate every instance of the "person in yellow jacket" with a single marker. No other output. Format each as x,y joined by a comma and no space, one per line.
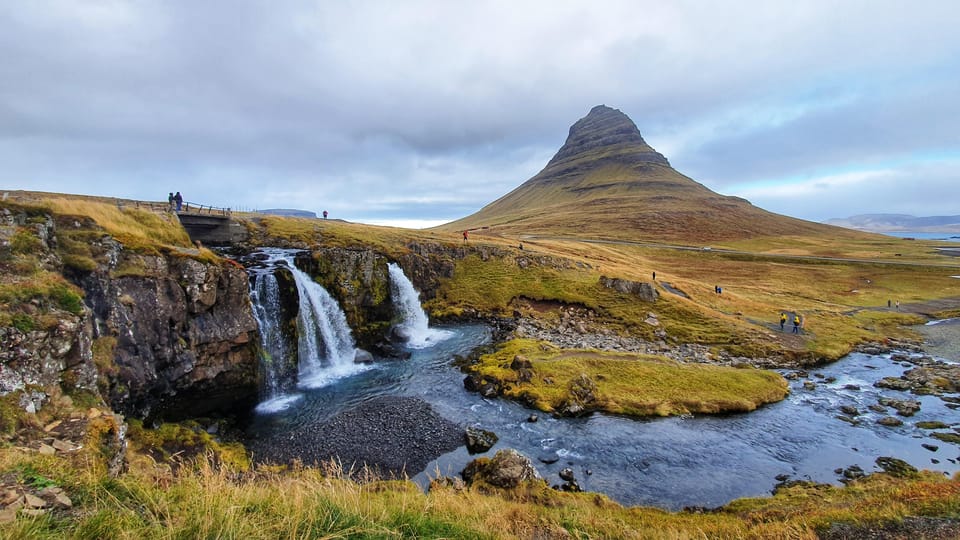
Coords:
783,320
796,323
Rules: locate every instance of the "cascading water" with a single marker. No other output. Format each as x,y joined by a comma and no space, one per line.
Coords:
414,327
325,346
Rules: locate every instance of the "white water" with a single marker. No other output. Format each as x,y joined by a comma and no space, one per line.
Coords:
325,346
415,327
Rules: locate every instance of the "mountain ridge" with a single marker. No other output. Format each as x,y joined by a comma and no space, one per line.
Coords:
899,223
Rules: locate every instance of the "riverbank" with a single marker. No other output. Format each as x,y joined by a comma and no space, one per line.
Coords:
942,338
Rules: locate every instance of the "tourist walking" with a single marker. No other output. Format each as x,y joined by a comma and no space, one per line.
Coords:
324,214
170,202
464,237
654,276
796,324
898,305
783,320
179,200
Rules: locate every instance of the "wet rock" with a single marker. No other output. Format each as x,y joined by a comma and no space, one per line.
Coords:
849,410
877,408
532,418
890,421
548,458
904,407
853,472
930,447
931,425
362,357
479,440
809,385
847,419
566,474
893,383
507,469
854,387
896,467
947,437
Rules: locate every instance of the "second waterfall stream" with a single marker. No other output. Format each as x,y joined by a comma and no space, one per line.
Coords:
414,327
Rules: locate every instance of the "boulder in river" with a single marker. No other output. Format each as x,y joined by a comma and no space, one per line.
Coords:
480,440
507,469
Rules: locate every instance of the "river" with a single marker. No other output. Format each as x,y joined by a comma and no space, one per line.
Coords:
669,463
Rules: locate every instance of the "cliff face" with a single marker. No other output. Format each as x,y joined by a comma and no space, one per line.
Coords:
159,334
182,335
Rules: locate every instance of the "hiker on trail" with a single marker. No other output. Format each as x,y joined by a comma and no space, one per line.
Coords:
898,305
521,246
888,303
654,276
464,237
796,324
170,208
178,198
324,214
783,320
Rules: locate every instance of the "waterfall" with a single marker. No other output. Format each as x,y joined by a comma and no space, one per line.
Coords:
325,349
414,326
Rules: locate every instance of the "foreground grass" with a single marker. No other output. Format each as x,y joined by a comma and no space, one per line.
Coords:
629,384
203,501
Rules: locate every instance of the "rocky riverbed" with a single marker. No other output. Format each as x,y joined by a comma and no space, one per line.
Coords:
391,435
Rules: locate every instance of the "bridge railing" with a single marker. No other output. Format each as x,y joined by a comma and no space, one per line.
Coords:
196,208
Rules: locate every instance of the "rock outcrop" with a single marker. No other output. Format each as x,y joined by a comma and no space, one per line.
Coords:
507,469
182,332
170,334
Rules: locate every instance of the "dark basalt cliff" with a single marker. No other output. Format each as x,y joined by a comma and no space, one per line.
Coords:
167,335
183,335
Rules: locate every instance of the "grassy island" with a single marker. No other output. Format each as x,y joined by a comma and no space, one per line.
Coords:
624,383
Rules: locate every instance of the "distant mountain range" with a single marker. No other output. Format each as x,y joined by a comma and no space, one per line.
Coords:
289,212
899,223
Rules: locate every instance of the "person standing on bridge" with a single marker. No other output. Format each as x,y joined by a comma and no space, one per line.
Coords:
178,198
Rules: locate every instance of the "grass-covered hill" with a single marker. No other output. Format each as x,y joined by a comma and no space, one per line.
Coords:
607,182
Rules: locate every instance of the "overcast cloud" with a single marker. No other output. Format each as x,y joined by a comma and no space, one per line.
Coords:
428,110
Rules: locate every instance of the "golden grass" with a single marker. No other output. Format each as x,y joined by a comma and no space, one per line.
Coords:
204,501
629,384
136,228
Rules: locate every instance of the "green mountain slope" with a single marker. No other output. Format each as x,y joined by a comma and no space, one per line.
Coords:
607,182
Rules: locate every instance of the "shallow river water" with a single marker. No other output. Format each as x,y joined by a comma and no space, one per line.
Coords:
665,462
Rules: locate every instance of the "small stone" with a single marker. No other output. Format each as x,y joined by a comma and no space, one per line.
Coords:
52,425
566,474
64,446
94,413
890,421
9,514
851,387
63,501
8,496
930,447
809,385
47,450
33,512
532,418
849,410
32,501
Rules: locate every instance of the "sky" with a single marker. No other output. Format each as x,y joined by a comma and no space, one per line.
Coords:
418,112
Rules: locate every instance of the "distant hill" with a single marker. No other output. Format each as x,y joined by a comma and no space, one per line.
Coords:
899,223
289,212
607,182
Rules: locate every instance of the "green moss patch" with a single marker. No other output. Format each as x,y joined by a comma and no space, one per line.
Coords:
620,383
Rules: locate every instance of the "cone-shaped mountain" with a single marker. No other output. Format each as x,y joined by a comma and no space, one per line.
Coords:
607,182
